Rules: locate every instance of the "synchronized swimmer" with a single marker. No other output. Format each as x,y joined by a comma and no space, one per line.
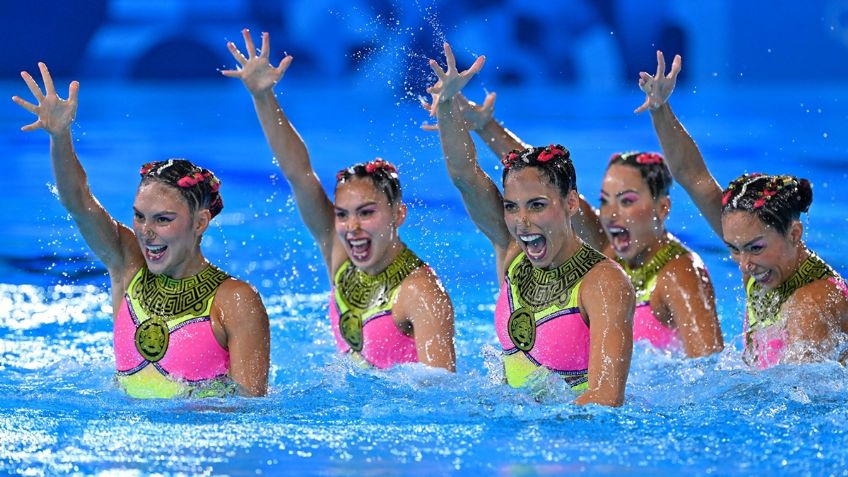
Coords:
578,284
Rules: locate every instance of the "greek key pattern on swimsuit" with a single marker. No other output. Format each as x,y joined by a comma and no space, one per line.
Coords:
364,292
766,303
538,288
641,276
169,298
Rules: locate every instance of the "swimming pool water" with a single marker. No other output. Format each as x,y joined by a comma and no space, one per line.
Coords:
60,411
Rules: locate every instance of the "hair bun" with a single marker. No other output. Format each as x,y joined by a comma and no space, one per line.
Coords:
805,194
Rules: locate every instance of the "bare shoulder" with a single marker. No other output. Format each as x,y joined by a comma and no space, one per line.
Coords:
238,300
819,297
684,271
423,283
606,273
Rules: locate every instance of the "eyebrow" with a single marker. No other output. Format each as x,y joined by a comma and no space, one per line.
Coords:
628,191
164,212
367,204
760,237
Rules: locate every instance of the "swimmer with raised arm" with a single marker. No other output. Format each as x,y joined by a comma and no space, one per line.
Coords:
183,327
675,301
386,306
797,305
563,308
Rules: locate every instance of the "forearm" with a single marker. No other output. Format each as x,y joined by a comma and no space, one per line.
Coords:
681,153
687,164
285,142
588,226
458,148
71,179
499,139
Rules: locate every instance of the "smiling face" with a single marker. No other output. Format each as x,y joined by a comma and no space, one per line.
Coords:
761,251
367,224
539,218
167,232
633,220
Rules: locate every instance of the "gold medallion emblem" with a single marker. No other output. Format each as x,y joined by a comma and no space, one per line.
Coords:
350,326
522,329
151,339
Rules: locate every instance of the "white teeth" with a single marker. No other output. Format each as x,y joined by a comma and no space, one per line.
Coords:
358,242
759,276
156,249
529,238
616,230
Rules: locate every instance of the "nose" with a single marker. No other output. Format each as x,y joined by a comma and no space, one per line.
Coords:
352,225
745,265
147,232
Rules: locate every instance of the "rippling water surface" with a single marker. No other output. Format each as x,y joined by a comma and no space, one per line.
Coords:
60,411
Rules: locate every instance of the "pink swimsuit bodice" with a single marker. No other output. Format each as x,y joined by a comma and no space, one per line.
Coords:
383,344
193,353
361,312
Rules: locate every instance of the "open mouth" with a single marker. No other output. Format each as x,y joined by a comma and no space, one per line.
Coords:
360,249
535,245
619,238
154,253
762,277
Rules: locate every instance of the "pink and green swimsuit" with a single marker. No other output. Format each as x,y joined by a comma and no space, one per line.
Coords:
361,312
538,320
644,280
164,344
765,329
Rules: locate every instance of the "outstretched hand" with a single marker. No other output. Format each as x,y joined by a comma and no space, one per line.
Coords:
452,81
477,115
658,88
55,114
256,72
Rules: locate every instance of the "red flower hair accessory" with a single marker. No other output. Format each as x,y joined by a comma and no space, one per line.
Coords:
509,159
378,164
649,158
550,152
146,168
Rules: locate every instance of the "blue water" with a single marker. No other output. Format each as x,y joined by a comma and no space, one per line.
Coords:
61,413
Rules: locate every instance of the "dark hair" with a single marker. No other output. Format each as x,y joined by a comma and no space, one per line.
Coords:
651,166
554,162
198,186
776,200
383,175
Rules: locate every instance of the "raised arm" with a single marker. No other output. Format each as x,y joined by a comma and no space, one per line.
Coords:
479,194
684,158
260,77
608,299
113,243
502,141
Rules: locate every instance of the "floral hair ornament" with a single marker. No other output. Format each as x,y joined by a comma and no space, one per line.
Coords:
146,168
509,159
649,158
772,188
550,152
379,164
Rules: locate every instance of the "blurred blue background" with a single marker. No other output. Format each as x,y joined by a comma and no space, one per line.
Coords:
585,44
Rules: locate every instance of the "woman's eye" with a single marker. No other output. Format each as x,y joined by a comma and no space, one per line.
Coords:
509,207
163,220
537,206
340,214
366,213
